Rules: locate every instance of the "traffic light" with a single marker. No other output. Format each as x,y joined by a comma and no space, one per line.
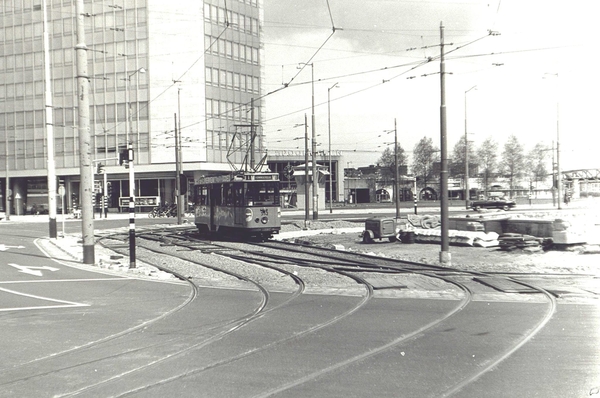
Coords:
183,184
124,158
109,189
100,169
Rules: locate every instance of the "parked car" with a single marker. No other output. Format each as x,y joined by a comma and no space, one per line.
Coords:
493,203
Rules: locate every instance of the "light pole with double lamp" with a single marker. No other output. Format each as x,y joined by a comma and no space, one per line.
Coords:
329,127
130,154
467,152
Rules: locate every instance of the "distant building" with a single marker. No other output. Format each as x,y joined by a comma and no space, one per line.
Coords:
201,60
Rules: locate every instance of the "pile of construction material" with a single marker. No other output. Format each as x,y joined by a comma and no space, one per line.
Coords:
512,241
459,238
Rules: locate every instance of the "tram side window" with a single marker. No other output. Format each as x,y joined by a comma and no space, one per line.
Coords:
202,195
238,194
228,199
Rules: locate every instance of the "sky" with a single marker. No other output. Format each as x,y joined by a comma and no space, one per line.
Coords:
522,67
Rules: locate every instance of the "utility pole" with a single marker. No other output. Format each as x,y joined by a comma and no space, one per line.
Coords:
85,147
445,257
252,134
330,168
306,185
558,170
396,174
7,192
131,206
315,176
177,173
467,153
182,189
50,126
553,177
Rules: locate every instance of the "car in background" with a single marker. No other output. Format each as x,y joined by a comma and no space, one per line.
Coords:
493,203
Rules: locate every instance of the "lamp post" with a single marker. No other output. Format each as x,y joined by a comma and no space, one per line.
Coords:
7,186
130,152
445,256
329,127
128,104
467,153
49,127
558,171
315,180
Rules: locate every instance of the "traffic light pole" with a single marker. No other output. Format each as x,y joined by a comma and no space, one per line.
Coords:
100,170
105,196
131,207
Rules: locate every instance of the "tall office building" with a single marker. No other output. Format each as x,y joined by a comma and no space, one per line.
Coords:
152,64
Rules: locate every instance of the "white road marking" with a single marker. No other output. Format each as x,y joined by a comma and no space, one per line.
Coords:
32,270
64,304
4,248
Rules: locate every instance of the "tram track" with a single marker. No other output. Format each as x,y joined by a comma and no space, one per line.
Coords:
425,270
231,326
331,265
289,262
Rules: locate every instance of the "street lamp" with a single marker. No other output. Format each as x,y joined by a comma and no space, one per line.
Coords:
329,127
558,171
467,152
7,185
132,261
315,184
127,102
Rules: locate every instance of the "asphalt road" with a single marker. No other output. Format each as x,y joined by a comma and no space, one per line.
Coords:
72,331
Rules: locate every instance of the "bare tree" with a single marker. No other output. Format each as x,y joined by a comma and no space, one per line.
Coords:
387,162
487,155
424,155
536,163
513,160
458,157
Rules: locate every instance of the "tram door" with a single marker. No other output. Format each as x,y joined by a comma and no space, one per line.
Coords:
239,209
215,199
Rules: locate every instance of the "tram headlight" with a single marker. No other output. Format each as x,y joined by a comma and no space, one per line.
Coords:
264,220
249,215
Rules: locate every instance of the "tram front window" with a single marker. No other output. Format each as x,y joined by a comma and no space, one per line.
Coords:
263,194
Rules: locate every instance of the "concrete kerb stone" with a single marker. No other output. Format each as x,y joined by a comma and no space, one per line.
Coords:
69,248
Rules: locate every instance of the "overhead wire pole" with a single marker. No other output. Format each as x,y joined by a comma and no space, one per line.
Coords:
177,173
315,177
558,170
396,174
467,153
330,169
182,189
7,185
131,206
306,185
49,125
85,147
445,257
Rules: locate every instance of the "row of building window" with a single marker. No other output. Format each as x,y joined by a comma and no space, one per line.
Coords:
66,116
225,139
99,53
20,6
117,21
66,86
230,110
231,50
240,22
232,80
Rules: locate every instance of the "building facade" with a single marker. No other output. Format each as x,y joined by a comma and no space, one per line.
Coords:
153,66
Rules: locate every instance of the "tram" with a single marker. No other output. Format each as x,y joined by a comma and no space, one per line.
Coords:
244,206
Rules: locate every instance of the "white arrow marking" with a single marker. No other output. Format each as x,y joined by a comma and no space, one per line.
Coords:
5,248
32,270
